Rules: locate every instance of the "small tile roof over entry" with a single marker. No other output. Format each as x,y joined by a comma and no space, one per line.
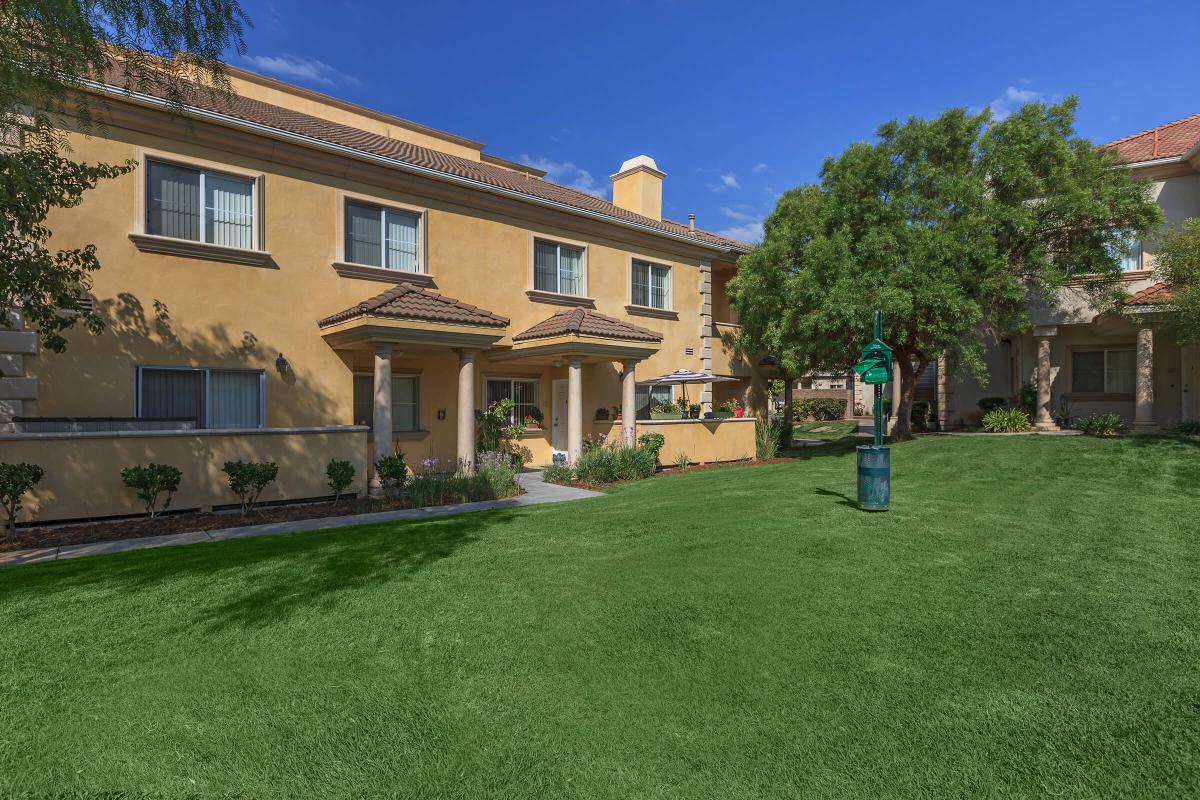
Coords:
1158,294
585,322
405,301
1166,141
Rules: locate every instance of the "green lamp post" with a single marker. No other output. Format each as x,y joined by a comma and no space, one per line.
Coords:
874,368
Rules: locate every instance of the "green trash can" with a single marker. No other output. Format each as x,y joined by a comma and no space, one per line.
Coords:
874,477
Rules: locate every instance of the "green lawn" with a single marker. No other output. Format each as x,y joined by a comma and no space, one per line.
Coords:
832,430
1025,622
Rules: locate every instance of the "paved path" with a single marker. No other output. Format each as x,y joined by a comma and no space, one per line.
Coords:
537,492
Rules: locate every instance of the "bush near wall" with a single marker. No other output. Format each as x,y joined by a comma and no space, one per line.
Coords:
821,409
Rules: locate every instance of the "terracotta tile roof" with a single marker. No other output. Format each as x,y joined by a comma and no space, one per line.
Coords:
1166,141
405,301
585,322
283,119
1158,294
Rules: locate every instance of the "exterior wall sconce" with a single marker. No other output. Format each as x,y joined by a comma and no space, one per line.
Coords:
282,366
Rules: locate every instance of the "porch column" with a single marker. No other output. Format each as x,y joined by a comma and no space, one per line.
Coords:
382,416
1044,419
849,396
575,409
1143,414
629,404
466,408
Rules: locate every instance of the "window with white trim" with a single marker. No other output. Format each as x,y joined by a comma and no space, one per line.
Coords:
213,398
1104,371
522,391
382,237
199,205
405,402
557,267
651,285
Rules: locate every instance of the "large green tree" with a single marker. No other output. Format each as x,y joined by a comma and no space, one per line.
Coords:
953,227
49,50
1178,262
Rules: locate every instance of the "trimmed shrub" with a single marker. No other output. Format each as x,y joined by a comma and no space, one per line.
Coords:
392,472
339,474
653,442
635,463
1189,427
597,466
150,482
15,481
987,404
247,479
558,473
1101,424
1006,420
824,409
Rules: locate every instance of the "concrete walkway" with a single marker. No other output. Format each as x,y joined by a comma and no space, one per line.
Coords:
537,492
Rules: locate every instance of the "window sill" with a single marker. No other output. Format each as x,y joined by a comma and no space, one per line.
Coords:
650,311
166,245
556,299
366,273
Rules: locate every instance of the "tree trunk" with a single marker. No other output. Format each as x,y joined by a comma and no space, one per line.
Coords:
785,441
909,375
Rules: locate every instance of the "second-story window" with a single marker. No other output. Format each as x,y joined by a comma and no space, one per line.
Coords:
199,205
1129,254
557,268
651,285
382,237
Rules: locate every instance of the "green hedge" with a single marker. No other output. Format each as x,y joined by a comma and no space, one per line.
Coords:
821,408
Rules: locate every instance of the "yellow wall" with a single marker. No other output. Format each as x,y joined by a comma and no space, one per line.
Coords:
83,472
172,310
702,441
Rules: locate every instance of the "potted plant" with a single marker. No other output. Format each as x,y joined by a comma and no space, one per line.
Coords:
601,414
694,411
664,410
729,408
616,413
533,420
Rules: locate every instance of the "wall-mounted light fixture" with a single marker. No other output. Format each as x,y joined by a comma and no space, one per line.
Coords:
282,366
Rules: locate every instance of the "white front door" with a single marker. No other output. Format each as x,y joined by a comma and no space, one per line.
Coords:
558,433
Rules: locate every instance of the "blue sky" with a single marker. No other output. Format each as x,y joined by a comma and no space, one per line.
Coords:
736,101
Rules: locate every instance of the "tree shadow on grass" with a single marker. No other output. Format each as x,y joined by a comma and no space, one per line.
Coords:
256,582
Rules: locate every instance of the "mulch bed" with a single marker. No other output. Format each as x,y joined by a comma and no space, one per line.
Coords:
185,522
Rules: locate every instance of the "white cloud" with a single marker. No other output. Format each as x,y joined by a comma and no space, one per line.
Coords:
750,233
737,215
568,173
1012,99
759,168
299,68
729,181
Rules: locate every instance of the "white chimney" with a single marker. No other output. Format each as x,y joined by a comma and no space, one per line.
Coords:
637,187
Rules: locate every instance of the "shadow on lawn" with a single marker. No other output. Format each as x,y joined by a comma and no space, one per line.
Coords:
846,500
258,581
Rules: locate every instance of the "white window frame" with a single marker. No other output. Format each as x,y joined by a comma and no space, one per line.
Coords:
203,168
559,244
511,379
1105,351
634,261
262,390
416,376
383,206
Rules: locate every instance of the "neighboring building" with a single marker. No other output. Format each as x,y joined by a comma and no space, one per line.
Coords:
1087,363
286,262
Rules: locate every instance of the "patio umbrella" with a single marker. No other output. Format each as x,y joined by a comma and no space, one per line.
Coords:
683,377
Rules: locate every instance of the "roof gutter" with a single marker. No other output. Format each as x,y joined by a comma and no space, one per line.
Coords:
330,147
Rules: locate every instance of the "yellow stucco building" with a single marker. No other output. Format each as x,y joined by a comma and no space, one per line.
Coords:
284,270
